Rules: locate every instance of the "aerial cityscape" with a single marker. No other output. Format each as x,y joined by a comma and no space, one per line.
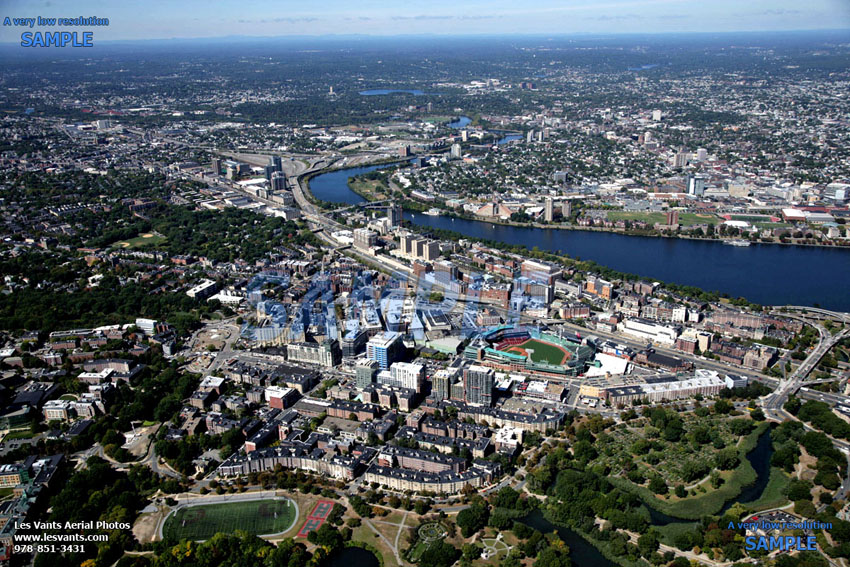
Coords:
481,285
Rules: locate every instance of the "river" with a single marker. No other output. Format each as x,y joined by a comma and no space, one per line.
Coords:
460,122
507,136
768,274
582,553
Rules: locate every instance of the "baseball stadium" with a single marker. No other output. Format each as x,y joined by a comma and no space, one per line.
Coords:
527,349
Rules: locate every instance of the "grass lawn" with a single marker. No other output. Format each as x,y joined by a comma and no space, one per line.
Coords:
20,434
365,534
689,219
773,495
70,397
670,532
148,423
258,517
369,189
5,492
141,241
418,550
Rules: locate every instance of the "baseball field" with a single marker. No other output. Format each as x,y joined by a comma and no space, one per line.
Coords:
542,351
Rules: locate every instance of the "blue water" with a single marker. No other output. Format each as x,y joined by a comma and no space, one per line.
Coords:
508,138
376,92
461,122
768,274
333,187
582,553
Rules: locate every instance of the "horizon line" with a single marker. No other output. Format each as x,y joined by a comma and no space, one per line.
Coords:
481,35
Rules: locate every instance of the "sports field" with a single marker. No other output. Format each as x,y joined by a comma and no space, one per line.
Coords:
259,517
142,241
543,352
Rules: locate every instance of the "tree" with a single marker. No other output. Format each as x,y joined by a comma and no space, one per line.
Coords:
726,459
648,543
472,519
440,554
658,486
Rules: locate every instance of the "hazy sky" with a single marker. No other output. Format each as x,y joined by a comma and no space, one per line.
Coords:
154,19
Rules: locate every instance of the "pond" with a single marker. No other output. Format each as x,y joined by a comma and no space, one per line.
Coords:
353,557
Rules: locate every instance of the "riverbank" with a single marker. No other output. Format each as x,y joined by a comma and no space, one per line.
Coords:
614,230
305,178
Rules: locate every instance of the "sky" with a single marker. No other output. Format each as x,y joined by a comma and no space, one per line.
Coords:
166,19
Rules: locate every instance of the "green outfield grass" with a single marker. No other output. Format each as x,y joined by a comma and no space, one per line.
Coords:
543,352
257,517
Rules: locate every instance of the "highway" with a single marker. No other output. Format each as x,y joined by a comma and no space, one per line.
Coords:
790,385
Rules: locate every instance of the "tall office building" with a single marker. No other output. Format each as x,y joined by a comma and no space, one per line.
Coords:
365,372
406,375
216,166
456,151
478,384
276,162
364,238
549,211
696,185
441,384
327,354
540,271
278,182
394,214
464,135
385,348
